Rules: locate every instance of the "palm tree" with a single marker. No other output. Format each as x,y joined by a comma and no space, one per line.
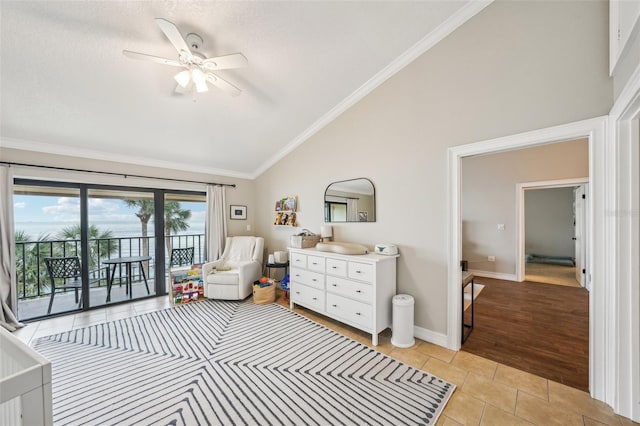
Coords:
175,220
28,254
100,242
144,213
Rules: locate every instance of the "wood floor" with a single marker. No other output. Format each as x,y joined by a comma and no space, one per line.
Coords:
539,328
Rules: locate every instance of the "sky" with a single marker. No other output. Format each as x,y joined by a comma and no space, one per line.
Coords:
37,214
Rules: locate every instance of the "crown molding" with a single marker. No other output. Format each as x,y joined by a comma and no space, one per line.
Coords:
70,151
456,20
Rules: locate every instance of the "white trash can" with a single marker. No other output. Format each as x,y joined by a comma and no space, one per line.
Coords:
402,328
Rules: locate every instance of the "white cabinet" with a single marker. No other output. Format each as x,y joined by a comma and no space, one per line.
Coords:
356,290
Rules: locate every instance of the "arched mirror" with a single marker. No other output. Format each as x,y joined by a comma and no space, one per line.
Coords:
351,200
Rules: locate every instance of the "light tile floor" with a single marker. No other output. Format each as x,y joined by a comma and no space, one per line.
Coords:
487,393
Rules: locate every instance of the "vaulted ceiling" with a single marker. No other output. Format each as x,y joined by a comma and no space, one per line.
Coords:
66,87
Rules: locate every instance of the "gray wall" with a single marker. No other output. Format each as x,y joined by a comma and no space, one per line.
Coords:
489,197
549,222
516,66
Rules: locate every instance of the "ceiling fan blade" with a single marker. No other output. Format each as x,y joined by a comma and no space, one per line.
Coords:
145,57
234,60
223,84
173,34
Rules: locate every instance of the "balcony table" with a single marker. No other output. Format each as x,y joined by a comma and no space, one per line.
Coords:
128,261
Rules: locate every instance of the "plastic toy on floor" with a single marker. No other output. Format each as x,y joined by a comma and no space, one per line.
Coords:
285,286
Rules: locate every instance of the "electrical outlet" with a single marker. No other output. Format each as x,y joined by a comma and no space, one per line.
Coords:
501,227
248,227
491,258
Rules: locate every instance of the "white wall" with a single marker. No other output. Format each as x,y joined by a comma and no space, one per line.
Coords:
549,222
515,66
489,197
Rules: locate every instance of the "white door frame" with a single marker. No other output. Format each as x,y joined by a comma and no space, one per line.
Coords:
625,230
520,228
595,130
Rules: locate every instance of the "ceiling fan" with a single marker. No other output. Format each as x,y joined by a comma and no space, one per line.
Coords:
198,69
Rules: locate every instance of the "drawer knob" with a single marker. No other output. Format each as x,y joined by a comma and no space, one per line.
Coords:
313,279
358,291
315,298
358,313
334,267
335,285
314,263
335,306
358,272
297,292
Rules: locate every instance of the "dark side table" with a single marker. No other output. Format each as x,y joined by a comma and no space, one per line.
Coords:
276,266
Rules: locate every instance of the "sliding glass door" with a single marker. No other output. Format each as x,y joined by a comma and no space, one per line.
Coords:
44,219
121,245
120,237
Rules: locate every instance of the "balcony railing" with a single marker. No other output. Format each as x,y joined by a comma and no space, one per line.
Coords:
33,279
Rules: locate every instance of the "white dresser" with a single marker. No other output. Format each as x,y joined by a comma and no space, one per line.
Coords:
354,289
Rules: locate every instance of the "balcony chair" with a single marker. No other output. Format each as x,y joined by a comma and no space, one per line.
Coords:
231,277
68,270
181,257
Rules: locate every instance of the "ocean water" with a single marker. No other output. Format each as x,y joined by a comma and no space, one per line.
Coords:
118,229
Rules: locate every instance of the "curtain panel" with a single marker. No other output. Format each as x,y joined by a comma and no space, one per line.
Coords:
8,283
216,224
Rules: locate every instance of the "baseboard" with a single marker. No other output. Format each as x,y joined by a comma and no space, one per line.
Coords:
430,336
494,275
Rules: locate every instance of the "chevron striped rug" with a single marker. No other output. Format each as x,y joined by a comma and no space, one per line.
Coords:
216,362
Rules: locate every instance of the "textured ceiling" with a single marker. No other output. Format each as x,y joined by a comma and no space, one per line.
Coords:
67,88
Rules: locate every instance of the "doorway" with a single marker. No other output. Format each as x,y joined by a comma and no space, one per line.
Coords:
595,131
553,230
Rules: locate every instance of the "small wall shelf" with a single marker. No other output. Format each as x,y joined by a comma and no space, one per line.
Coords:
286,212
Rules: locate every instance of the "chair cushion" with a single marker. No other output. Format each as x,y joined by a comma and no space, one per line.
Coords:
230,277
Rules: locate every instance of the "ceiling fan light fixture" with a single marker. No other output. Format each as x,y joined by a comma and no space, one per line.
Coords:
200,80
183,78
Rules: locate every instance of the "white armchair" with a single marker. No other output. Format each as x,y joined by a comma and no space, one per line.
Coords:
231,277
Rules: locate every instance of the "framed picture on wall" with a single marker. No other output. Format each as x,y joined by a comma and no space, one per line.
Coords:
239,212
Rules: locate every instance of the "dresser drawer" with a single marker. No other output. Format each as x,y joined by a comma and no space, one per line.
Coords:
350,310
360,271
310,297
337,267
306,277
353,289
299,260
315,263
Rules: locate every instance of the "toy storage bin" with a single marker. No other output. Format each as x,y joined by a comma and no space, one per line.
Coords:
264,295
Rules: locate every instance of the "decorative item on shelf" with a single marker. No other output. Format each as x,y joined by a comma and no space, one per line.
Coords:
287,219
305,239
286,208
326,233
286,204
